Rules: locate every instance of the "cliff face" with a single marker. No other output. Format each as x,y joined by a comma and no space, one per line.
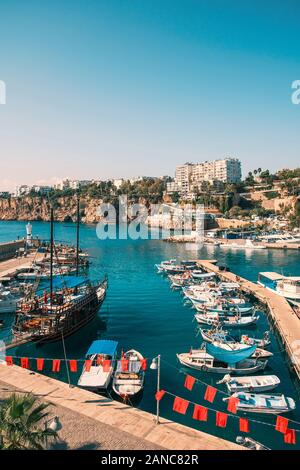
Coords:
37,208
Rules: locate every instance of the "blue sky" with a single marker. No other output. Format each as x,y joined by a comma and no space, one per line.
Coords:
112,88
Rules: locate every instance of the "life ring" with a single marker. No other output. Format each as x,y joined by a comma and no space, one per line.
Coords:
204,368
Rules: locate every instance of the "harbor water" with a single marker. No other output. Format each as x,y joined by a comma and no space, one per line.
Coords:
142,312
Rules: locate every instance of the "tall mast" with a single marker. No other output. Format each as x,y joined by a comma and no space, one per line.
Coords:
51,253
77,237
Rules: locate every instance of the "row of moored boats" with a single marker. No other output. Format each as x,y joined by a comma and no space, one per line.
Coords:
219,308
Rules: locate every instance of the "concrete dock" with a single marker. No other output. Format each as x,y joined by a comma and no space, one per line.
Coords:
9,267
284,317
87,417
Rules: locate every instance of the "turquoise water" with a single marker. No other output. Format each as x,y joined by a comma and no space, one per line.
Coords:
142,312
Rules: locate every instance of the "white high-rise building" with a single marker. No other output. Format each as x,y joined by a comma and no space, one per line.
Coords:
190,176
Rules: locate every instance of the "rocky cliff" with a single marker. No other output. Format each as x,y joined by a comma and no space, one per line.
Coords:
37,208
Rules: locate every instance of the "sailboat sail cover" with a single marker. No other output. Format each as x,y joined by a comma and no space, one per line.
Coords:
230,356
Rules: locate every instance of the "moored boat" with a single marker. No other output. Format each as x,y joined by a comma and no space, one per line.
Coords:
218,333
250,443
230,322
256,383
199,359
102,354
129,376
263,403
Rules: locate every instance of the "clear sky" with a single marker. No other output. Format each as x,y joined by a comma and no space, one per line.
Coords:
112,88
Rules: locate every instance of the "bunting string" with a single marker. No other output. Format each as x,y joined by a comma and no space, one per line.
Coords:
202,382
180,405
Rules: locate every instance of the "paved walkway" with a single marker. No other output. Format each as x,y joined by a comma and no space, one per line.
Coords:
285,318
94,421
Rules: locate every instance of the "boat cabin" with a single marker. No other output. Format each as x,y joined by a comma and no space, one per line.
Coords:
102,349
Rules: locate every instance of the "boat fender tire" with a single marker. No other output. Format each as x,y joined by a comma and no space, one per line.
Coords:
204,368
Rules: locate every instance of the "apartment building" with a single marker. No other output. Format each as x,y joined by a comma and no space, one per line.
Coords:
191,176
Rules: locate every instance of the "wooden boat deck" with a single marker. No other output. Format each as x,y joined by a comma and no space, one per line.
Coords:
284,317
124,419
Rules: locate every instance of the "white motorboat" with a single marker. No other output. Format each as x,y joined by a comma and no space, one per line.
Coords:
180,280
161,267
217,333
250,443
248,245
199,274
8,301
253,384
127,383
221,306
228,321
102,353
199,359
263,403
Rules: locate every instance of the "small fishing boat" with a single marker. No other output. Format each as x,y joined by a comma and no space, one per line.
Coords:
217,333
199,359
229,322
250,443
129,381
221,306
263,403
174,269
161,267
253,384
102,353
180,280
199,274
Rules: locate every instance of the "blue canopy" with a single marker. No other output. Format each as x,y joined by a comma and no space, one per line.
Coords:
103,346
60,282
230,356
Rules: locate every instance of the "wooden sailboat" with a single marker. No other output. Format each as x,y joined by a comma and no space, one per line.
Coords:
60,311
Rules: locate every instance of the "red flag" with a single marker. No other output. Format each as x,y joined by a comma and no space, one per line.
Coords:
87,365
40,363
180,405
99,360
73,365
144,364
106,365
290,436
124,364
210,393
232,404
281,424
9,360
25,362
56,365
244,425
200,413
159,395
189,382
221,419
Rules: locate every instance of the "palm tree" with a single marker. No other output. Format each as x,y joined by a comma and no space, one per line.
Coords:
20,424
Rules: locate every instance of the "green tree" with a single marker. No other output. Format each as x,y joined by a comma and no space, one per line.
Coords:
21,424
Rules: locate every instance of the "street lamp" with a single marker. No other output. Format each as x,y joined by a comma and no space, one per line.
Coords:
155,365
